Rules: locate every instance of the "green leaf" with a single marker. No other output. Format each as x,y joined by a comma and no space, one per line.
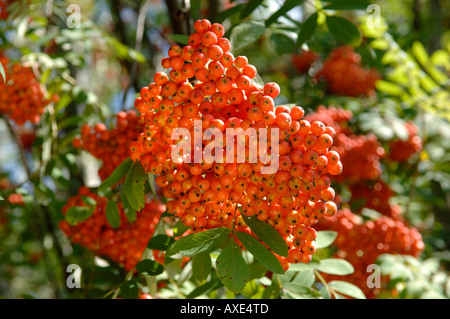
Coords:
269,235
343,30
419,52
246,33
193,244
250,6
347,289
78,214
389,88
179,38
179,228
129,211
88,201
201,266
151,182
325,238
129,289
1,198
229,12
160,242
286,7
205,288
271,292
260,252
133,186
149,267
112,214
231,267
282,43
116,175
307,29
305,278
335,266
347,5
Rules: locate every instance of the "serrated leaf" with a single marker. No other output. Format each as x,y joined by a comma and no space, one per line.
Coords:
343,30
325,238
269,235
112,214
246,33
249,7
133,187
160,242
335,266
116,175
149,267
129,289
347,289
286,7
201,266
193,244
260,252
231,267
78,214
307,29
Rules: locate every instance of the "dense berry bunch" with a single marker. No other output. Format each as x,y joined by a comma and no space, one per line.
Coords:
111,146
402,150
336,117
375,195
361,243
125,244
206,83
360,154
302,62
344,74
21,97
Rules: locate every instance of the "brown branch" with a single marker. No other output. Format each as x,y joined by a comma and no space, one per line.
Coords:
179,16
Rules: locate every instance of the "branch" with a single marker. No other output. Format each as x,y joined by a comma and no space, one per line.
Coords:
179,16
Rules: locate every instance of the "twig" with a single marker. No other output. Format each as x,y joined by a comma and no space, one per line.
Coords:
137,47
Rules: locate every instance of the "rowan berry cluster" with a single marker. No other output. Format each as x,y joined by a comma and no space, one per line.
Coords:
402,150
21,96
124,244
302,62
344,74
360,154
375,195
111,146
360,243
207,83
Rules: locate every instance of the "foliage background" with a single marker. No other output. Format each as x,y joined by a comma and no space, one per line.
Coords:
97,69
